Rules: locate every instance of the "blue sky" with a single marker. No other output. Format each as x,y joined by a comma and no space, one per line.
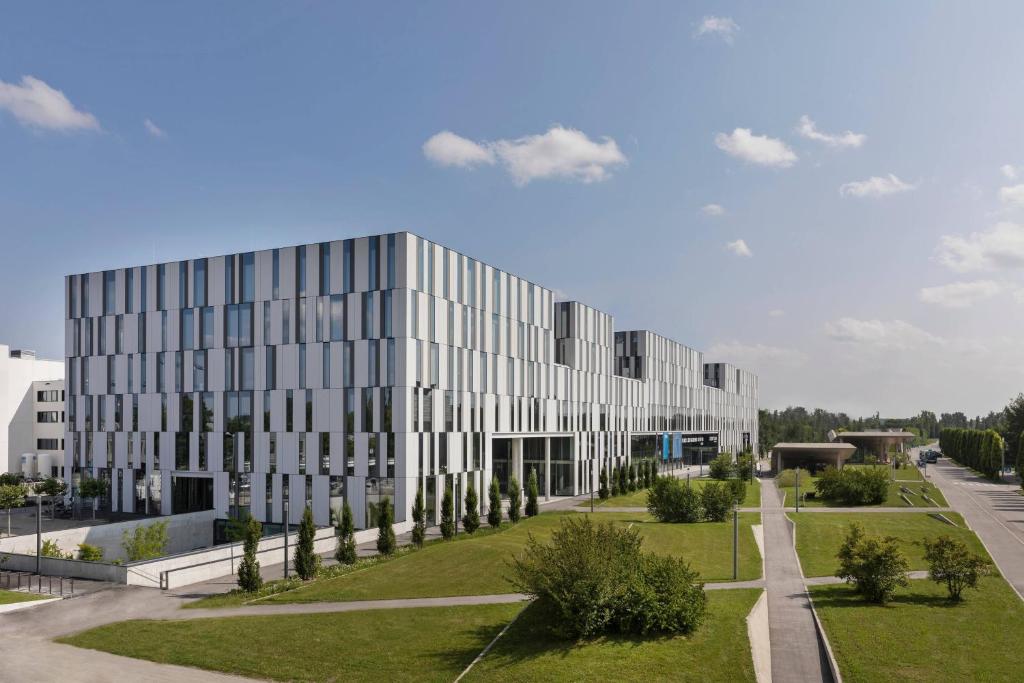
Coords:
882,247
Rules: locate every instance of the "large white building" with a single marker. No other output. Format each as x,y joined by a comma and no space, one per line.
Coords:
31,411
366,368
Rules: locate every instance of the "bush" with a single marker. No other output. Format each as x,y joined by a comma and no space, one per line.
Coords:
532,509
875,566
90,553
386,542
716,499
602,491
950,562
494,503
419,519
249,579
306,562
145,542
346,550
671,500
721,467
854,486
51,549
593,578
515,501
447,514
738,490
471,520
745,466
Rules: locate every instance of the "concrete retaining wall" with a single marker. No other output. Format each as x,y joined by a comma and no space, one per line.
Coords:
51,566
185,532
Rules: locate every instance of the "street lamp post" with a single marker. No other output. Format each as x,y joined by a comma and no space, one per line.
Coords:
286,538
735,541
39,532
798,489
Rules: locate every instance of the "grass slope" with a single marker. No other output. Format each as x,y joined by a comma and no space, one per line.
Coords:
820,534
423,644
718,651
921,637
10,597
893,499
478,566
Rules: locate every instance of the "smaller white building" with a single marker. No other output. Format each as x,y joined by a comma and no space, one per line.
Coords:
31,413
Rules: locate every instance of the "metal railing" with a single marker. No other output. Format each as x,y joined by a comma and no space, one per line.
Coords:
29,582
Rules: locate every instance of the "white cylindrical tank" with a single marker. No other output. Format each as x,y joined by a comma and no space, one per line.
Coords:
45,463
29,465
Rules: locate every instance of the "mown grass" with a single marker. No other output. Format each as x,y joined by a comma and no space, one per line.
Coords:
419,644
920,637
892,500
11,597
639,498
718,651
820,534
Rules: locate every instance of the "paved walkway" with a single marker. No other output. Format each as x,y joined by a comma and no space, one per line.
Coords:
797,656
994,511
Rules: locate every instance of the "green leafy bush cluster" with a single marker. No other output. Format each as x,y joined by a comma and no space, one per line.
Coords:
787,478
952,563
145,542
90,553
51,549
672,500
854,486
721,467
593,579
873,565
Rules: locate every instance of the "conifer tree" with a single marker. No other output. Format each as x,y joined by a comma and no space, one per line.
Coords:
346,551
494,503
602,491
532,508
515,501
306,562
385,527
471,520
447,514
249,578
419,517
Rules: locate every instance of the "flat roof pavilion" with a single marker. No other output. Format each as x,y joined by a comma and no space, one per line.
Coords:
877,443
787,455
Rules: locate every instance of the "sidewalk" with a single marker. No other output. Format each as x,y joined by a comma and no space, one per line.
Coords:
797,656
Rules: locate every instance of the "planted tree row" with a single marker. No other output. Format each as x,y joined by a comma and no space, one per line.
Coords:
978,449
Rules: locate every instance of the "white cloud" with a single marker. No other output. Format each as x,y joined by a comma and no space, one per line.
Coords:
448,149
558,153
809,130
776,313
723,27
153,129
1012,195
34,103
875,187
756,149
999,247
754,356
895,334
712,210
740,248
1009,171
960,294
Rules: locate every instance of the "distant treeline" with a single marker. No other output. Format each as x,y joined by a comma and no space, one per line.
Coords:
802,425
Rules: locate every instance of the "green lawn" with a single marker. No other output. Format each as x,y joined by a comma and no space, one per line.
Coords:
718,651
919,636
9,597
911,473
478,566
422,644
639,498
892,500
819,535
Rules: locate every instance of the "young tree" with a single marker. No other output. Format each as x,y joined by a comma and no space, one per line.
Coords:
632,477
950,562
614,476
249,579
515,501
306,562
494,503
52,487
447,514
602,491
419,520
11,496
623,483
875,566
471,520
645,473
721,467
145,542
532,510
346,551
385,527
92,489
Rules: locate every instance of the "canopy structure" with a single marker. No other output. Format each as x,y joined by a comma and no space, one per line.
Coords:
789,455
877,443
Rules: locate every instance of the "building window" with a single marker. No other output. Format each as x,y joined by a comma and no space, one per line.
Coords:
276,275
248,277
48,416
300,271
48,395
199,285
109,292
374,262
325,269
348,275
47,444
229,279
391,261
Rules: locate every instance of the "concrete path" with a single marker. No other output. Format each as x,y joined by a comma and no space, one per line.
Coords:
797,656
858,510
994,511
